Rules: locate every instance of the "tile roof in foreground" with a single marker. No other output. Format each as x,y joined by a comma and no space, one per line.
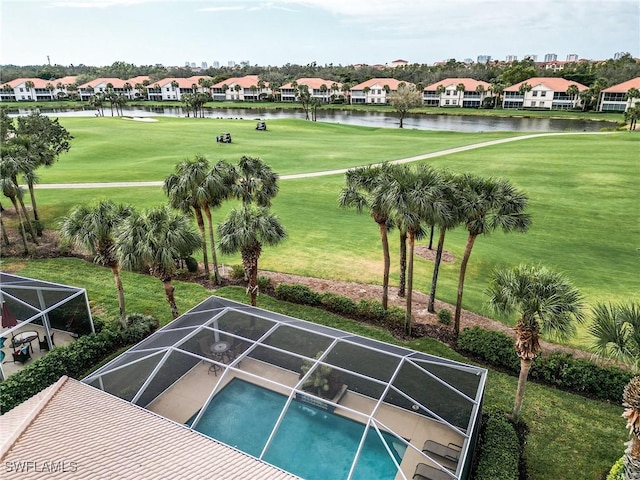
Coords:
556,84
74,430
624,86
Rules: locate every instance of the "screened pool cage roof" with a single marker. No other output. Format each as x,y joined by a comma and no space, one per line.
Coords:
50,305
384,387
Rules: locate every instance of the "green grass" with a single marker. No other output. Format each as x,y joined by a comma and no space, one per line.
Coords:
570,436
583,197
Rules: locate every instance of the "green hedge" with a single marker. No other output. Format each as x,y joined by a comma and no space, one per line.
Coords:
72,360
560,370
300,294
499,449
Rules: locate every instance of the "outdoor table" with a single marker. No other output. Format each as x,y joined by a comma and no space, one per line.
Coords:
219,349
27,336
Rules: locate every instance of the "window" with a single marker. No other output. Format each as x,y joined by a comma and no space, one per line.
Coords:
535,93
543,94
446,102
542,104
533,104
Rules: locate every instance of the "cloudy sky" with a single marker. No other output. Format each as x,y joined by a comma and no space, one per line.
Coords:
276,32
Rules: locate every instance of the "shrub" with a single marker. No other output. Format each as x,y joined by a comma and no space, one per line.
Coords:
192,264
138,327
617,470
395,317
444,316
371,310
297,294
499,449
264,282
338,304
561,370
237,272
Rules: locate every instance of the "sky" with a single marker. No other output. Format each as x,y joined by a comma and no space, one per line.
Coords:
338,32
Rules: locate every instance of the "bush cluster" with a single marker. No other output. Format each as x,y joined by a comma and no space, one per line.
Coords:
617,470
499,449
72,360
560,370
364,310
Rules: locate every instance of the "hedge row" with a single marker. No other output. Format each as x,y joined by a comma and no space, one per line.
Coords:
499,449
72,360
560,370
368,310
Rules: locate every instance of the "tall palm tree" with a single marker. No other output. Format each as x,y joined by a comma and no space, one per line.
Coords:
497,88
486,205
460,89
217,185
364,190
9,169
410,195
253,181
573,91
92,228
448,217
546,302
187,192
631,115
632,94
153,240
245,230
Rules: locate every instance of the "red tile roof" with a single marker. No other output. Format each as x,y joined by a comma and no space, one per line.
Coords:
66,80
379,83
624,86
116,82
37,82
470,84
313,83
555,84
245,82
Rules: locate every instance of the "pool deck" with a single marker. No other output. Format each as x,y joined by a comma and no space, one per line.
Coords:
186,397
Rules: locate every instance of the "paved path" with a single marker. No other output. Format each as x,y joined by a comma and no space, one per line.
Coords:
416,158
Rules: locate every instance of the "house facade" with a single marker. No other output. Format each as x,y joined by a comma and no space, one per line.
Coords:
324,90
129,88
543,92
247,88
456,92
615,98
374,91
175,88
35,89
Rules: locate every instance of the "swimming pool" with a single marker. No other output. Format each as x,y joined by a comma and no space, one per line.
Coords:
310,442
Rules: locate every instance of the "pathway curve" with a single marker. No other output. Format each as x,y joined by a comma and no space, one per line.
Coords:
416,158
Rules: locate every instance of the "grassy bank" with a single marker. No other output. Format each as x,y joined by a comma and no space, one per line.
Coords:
570,436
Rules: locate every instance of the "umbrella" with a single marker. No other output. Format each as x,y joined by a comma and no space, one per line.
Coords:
8,319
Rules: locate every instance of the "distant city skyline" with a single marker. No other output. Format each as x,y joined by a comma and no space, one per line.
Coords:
338,32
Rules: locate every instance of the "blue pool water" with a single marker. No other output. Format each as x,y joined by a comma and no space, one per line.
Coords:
310,442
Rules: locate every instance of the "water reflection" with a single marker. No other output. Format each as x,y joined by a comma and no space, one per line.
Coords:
458,123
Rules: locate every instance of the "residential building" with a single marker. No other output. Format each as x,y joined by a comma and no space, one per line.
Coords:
375,90
130,88
325,90
447,93
484,58
572,57
615,99
531,57
511,58
542,92
249,87
550,57
174,88
398,63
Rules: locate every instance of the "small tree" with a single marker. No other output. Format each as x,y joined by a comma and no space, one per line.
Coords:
404,99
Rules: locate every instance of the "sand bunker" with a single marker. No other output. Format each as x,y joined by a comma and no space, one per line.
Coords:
141,119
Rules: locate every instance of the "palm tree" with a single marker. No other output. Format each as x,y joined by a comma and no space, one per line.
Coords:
631,116
410,195
448,217
127,88
547,304
365,187
246,230
497,88
253,181
632,94
486,205
92,228
616,329
573,91
9,169
154,239
29,85
460,89
631,402
440,89
187,193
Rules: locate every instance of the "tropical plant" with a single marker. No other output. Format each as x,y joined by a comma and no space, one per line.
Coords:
497,88
460,89
573,92
632,94
153,240
631,115
547,304
253,181
364,190
92,228
245,230
487,204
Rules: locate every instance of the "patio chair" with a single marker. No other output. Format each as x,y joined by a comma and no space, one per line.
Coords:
205,348
448,452
427,472
22,355
44,344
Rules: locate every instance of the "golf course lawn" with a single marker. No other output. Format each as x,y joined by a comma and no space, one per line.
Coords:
582,189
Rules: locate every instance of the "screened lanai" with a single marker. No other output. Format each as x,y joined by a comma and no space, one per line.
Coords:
315,401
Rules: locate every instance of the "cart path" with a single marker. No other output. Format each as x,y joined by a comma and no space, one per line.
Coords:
416,158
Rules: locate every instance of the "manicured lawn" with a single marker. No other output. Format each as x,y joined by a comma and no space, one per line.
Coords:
570,436
582,190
